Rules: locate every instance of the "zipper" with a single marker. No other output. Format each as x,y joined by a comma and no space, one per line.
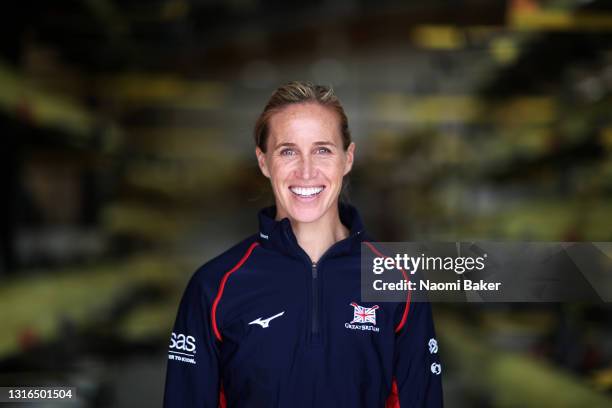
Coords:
314,269
315,300
315,287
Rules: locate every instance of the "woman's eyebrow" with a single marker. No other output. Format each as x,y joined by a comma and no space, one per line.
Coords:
289,144
285,144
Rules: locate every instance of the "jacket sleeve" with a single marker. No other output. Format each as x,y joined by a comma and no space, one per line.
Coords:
417,369
192,373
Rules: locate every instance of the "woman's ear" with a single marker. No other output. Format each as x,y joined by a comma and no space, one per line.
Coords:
261,161
350,155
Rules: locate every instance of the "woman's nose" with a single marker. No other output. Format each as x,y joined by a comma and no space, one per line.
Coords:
307,169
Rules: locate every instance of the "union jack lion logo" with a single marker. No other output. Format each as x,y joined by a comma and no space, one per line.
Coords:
364,314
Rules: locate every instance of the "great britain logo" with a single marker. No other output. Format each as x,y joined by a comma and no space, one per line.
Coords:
361,317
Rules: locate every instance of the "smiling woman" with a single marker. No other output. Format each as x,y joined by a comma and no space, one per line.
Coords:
276,320
305,150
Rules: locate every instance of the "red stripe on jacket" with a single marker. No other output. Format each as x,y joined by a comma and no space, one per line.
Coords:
408,298
222,287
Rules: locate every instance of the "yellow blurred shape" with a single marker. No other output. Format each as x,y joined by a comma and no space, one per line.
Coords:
504,50
438,37
534,141
602,379
606,137
559,20
39,302
395,107
144,88
43,108
511,379
403,108
149,320
525,109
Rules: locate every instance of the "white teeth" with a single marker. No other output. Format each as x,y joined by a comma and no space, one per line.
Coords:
306,191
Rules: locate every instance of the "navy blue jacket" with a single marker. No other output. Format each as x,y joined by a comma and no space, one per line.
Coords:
263,326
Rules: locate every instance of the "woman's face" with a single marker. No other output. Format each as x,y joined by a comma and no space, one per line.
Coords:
305,160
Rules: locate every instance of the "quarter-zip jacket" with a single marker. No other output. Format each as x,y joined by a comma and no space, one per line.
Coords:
261,325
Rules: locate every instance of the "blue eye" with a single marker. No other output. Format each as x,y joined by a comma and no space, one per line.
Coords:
287,152
323,150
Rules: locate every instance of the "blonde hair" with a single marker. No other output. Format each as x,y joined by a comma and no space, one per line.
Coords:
300,92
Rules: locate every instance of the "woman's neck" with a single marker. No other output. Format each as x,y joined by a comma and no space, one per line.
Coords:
316,237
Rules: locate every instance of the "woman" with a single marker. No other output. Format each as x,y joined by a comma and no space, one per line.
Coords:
276,321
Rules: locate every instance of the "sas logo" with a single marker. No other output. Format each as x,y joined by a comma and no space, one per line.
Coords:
186,345
183,343
362,314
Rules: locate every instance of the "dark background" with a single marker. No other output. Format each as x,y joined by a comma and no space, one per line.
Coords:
128,162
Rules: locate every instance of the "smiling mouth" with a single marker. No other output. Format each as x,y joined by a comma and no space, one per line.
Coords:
307,192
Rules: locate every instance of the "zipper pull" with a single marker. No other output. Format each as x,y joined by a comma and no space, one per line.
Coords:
314,270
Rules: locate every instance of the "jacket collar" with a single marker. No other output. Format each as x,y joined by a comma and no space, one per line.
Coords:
279,236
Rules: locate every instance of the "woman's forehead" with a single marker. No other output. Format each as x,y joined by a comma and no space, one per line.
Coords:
304,122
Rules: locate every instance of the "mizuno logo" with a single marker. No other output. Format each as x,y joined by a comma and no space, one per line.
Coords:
266,322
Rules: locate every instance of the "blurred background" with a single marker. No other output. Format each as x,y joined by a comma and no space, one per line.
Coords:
128,162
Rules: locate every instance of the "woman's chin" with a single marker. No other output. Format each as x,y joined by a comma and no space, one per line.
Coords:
306,209
305,214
